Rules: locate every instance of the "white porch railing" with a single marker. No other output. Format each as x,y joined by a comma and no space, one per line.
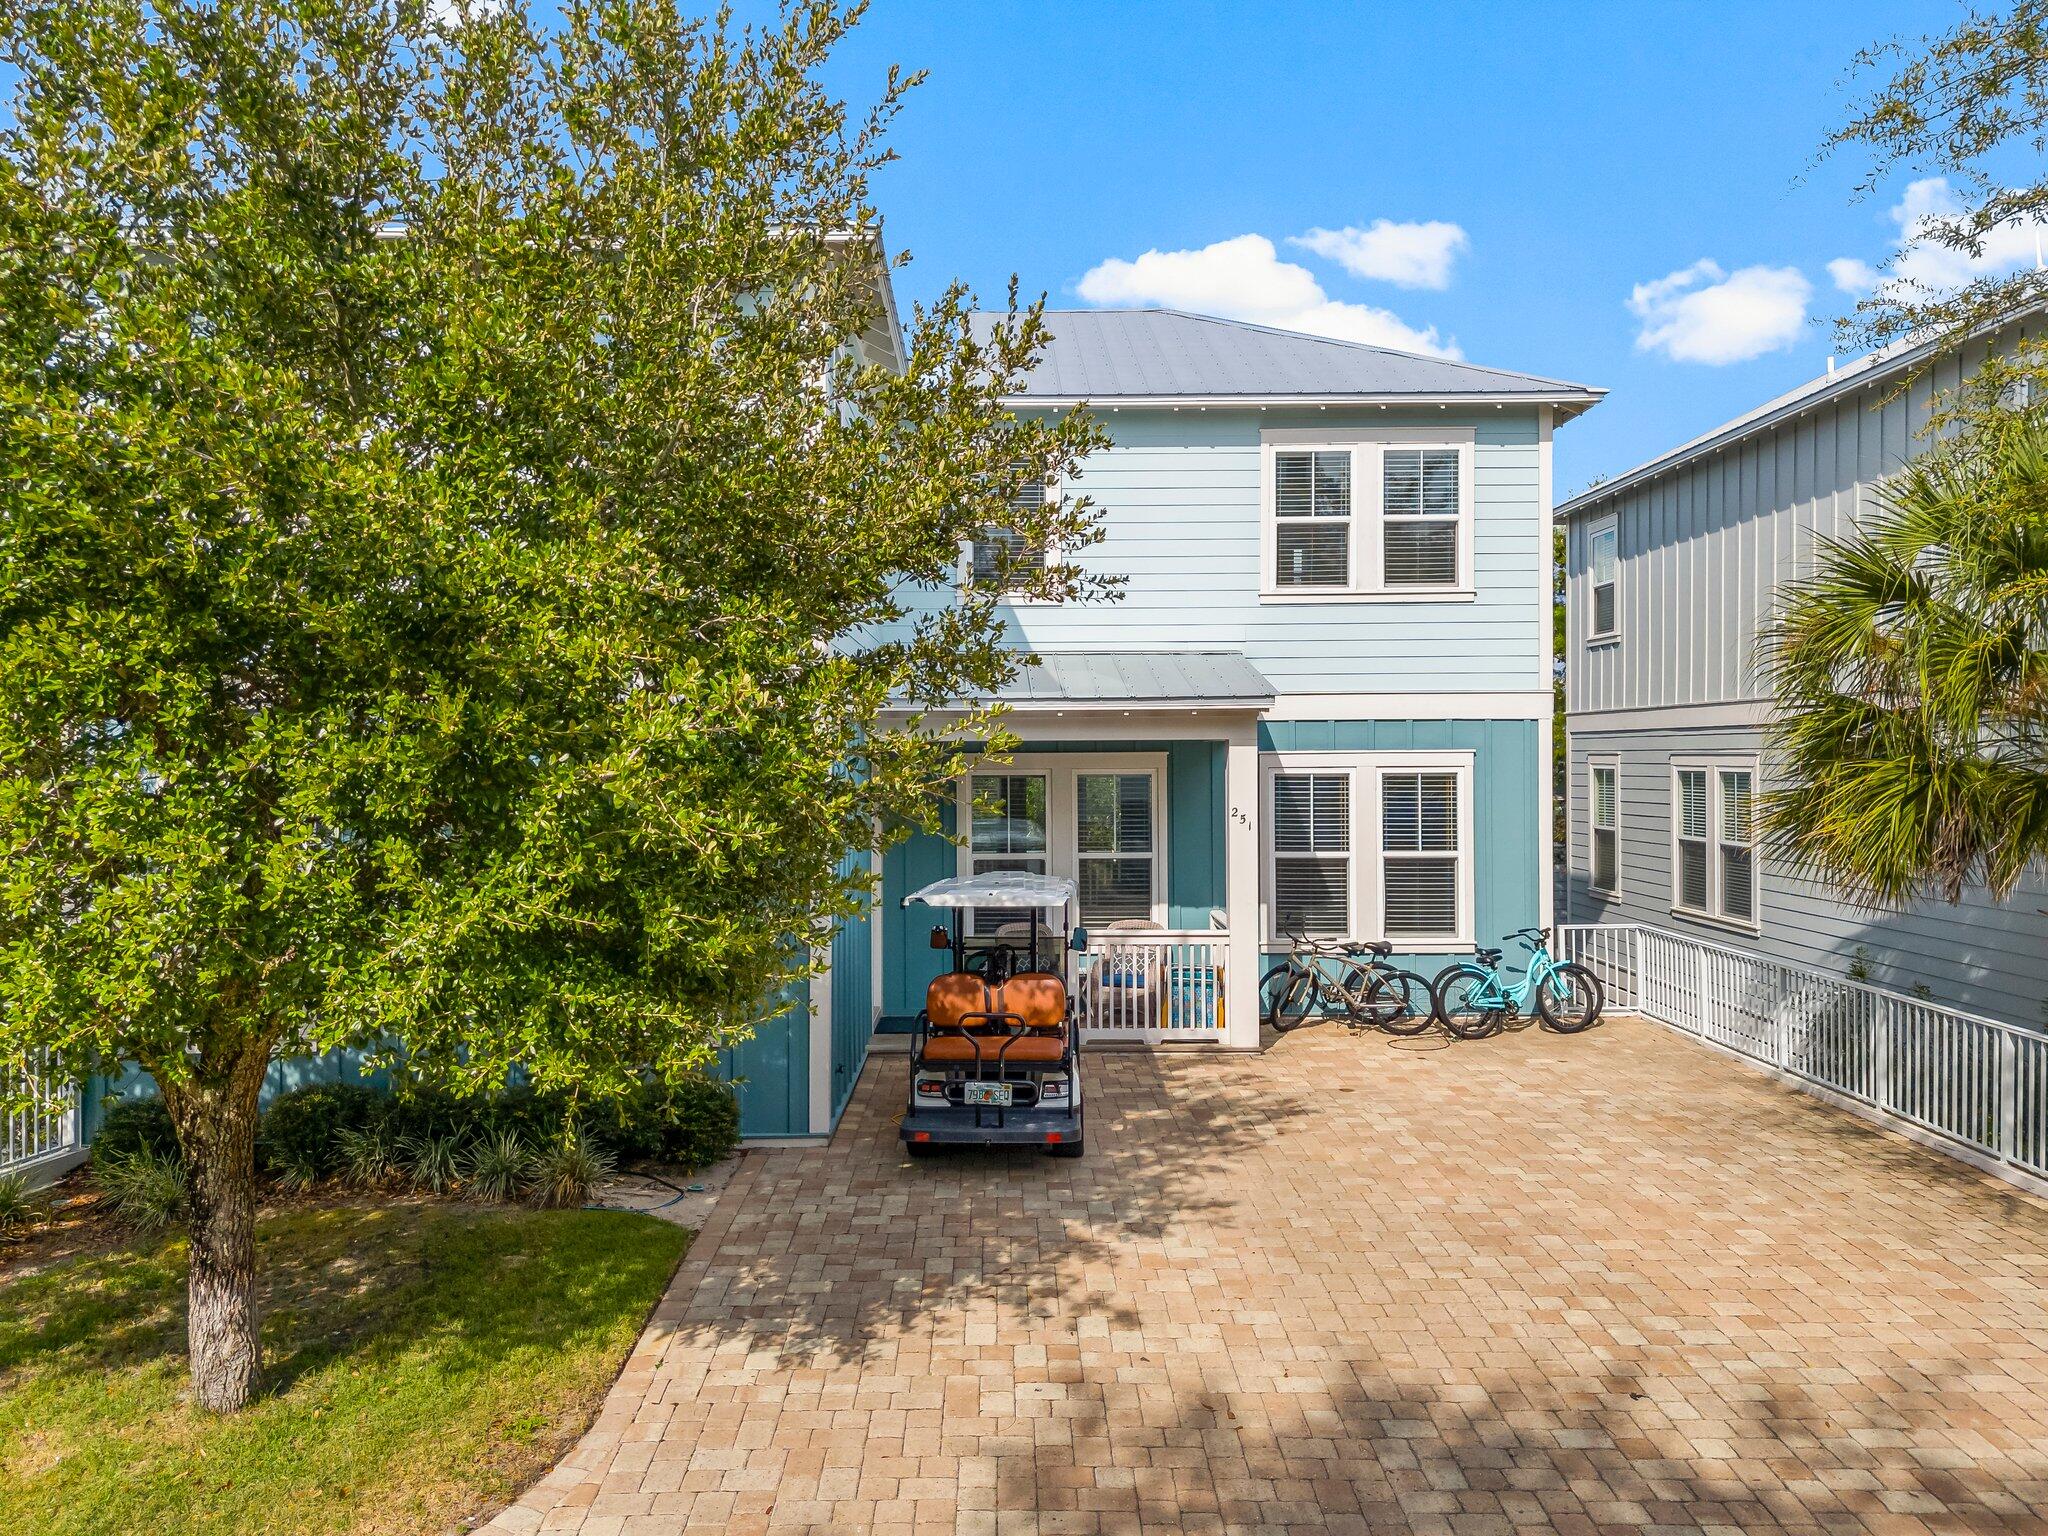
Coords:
1973,1085
43,1136
1152,988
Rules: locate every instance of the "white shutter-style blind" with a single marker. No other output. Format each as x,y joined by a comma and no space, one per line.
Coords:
1312,854
1691,873
1312,517
1606,832
1113,845
1420,497
1419,847
1737,837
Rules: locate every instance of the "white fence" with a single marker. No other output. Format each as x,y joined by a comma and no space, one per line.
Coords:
1971,1083
1152,988
41,1136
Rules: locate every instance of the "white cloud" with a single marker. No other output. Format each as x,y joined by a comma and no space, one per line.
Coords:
1245,279
1928,267
1701,314
1407,255
1854,277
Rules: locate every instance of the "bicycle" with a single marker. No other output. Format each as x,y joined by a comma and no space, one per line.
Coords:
1370,992
1471,1000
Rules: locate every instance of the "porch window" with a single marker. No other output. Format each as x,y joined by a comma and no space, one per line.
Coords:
1715,836
1312,854
1420,501
1606,829
1113,846
1604,621
1009,832
1312,517
1419,852
1000,558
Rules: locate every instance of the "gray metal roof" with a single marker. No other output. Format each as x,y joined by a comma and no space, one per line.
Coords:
1879,367
1139,680
1165,354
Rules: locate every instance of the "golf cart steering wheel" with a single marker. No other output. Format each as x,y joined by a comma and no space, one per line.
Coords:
995,965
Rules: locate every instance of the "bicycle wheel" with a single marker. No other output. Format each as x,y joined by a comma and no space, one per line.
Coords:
1467,1002
1408,1007
1570,998
1297,1000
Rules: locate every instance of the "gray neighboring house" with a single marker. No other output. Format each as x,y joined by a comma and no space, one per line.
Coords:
1671,572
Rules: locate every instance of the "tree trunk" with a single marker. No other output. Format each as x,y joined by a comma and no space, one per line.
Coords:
215,1114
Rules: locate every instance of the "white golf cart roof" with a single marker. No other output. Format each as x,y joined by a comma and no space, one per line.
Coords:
999,888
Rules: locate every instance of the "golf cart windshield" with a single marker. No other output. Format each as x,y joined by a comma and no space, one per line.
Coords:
997,890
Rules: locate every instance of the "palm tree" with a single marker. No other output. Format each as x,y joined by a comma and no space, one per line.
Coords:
1911,678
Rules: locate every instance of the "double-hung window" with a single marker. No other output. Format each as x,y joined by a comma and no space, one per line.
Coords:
1312,854
1603,544
1603,793
1419,507
1714,840
1384,516
1419,855
1113,851
1009,831
999,557
1312,518
1366,845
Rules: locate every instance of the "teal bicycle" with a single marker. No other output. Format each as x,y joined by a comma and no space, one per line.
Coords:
1471,999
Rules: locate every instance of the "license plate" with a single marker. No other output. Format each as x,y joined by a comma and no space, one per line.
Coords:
987,1093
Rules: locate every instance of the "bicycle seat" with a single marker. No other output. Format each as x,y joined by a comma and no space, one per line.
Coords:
1489,956
1380,950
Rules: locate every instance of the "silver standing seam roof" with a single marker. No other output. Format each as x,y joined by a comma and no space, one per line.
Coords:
1138,680
1165,354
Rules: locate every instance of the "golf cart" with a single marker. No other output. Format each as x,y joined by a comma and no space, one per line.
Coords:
996,1059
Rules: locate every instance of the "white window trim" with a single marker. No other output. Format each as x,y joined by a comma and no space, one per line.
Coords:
1603,762
1061,803
963,573
1368,895
1367,447
1610,526
1712,766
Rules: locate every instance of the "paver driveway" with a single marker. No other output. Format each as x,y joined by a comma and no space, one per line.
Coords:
1611,1282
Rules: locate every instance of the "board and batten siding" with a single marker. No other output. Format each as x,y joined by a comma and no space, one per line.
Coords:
1179,493
1982,955
1700,549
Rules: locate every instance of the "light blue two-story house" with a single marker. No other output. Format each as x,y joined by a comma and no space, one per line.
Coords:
1319,705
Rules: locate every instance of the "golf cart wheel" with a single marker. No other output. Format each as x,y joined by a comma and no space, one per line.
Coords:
1066,1149
922,1149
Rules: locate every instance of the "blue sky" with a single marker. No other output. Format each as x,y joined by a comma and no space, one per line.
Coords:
1583,153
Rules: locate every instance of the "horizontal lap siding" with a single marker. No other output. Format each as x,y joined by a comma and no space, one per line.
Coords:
1985,956
1179,493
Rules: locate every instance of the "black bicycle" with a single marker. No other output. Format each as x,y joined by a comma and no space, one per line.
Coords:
1324,978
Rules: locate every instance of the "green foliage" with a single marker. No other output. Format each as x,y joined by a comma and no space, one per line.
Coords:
1911,674
20,1207
132,1126
430,1163
564,1171
366,1156
701,1122
496,1167
1958,103
145,1190
300,1137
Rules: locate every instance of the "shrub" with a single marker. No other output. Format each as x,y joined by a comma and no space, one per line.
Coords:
135,1125
497,1167
704,1122
145,1190
429,1162
301,1137
20,1207
564,1171
365,1156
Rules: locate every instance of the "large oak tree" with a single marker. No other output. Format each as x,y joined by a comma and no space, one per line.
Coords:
452,566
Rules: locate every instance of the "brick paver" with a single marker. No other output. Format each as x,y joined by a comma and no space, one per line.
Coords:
1610,1283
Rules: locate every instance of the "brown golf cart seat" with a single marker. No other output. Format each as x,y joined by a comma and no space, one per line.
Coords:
1022,1021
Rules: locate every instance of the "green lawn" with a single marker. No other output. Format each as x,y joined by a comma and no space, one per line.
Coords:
422,1362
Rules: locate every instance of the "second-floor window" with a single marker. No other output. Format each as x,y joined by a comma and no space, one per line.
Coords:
1603,542
1001,558
1606,827
1365,520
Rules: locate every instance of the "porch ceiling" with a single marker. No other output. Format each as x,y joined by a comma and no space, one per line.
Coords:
1126,680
